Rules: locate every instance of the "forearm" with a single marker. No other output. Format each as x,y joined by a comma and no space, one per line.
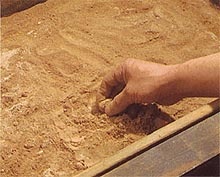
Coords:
199,77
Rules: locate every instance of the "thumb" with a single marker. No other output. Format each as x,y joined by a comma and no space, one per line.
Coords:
118,104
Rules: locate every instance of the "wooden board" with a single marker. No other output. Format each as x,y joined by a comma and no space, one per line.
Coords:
177,155
152,140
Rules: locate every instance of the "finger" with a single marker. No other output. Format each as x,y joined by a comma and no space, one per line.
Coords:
118,104
112,80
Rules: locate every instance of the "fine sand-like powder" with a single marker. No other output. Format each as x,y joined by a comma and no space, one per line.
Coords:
54,56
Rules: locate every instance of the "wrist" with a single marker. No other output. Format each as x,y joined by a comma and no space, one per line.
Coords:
181,81
171,87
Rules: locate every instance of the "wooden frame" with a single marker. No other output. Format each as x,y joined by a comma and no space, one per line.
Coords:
151,140
178,155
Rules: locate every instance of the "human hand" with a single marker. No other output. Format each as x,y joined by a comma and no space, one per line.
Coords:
142,82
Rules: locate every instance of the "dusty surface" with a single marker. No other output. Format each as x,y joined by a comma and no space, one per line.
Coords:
54,56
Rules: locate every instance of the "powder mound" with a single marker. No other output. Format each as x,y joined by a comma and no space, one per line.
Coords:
139,118
145,118
9,7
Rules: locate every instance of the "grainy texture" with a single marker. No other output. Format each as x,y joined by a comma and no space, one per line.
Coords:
54,56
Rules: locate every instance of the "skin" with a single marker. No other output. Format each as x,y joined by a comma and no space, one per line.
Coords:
147,82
